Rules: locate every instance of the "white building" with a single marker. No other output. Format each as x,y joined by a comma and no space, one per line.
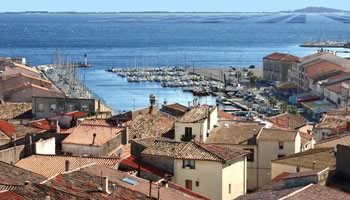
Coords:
196,124
213,171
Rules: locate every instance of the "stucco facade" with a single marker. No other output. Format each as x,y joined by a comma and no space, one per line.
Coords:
47,147
214,179
270,150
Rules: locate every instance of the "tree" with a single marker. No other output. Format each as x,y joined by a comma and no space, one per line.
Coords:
250,74
273,101
284,107
238,76
253,80
293,110
251,66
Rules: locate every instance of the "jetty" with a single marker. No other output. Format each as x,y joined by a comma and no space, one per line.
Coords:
326,44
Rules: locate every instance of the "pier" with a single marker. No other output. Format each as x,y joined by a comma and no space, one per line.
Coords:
326,44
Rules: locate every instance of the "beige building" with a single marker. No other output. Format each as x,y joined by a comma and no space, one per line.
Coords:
273,144
196,124
241,136
212,171
312,160
93,138
276,66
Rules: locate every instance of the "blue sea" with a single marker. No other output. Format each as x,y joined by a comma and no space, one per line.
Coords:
161,39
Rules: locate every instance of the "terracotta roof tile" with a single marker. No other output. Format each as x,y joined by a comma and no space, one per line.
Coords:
193,151
84,133
333,142
150,125
279,135
282,57
51,165
318,192
14,110
323,158
196,114
287,120
234,133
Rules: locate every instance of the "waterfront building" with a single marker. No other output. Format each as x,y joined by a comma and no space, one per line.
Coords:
210,170
276,66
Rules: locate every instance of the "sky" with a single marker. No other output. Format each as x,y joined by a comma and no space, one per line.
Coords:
167,5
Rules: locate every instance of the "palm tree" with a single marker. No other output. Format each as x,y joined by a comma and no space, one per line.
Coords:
273,101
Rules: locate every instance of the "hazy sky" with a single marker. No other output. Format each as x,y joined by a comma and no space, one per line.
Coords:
167,5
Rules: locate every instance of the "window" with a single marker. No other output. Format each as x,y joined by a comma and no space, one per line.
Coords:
250,157
84,108
188,134
70,107
53,107
41,107
188,163
188,184
280,156
281,145
229,188
197,183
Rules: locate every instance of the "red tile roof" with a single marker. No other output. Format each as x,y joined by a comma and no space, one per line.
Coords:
278,135
51,165
322,66
7,128
282,57
224,115
287,120
132,162
84,133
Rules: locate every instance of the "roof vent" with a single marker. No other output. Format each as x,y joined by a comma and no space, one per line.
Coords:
226,125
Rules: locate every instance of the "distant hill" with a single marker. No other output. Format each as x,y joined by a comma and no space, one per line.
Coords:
318,10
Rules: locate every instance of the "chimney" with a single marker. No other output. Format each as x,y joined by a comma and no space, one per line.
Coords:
125,135
105,185
93,139
67,163
54,126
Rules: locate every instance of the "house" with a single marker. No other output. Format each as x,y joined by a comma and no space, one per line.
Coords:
240,136
310,160
149,125
10,68
277,65
338,93
26,91
196,124
333,123
175,110
9,82
315,109
51,165
199,166
288,120
44,106
93,138
272,144
318,67
334,141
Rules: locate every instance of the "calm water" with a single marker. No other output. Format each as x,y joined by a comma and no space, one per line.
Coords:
159,39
